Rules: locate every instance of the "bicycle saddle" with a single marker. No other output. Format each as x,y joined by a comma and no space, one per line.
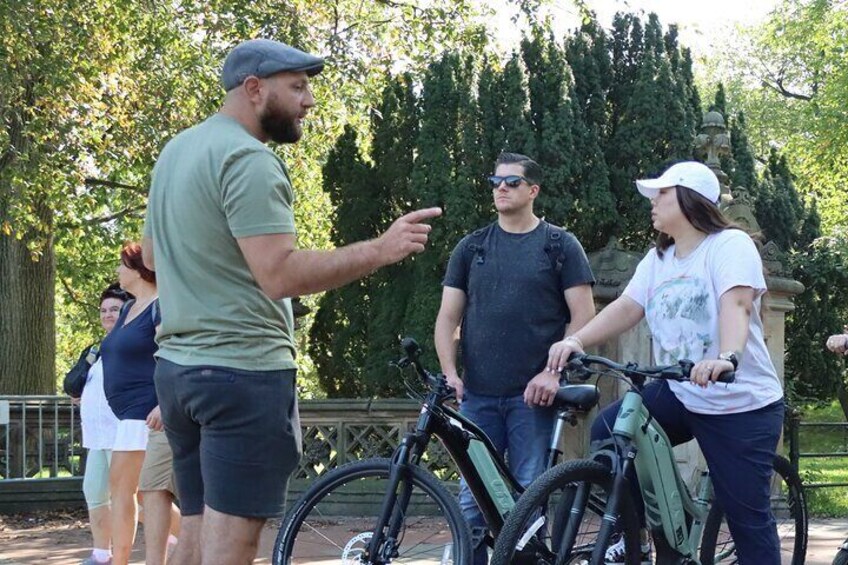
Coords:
576,397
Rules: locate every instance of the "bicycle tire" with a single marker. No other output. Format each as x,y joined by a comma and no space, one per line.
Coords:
790,509
319,525
841,557
549,494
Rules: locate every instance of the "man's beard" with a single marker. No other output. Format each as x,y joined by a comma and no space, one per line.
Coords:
278,125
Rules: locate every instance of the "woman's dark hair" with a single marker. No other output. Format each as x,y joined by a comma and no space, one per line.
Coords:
131,258
114,290
701,213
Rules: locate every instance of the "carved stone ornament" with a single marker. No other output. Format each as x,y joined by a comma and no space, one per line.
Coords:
712,143
774,260
613,266
740,213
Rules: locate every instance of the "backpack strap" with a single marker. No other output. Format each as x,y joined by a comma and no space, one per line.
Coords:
154,311
554,247
478,238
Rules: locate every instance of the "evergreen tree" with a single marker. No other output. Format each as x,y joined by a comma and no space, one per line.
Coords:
587,56
339,334
395,130
653,132
440,177
777,206
516,121
552,118
812,371
743,170
720,103
626,48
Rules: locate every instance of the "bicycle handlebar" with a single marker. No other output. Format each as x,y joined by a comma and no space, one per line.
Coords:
579,365
412,357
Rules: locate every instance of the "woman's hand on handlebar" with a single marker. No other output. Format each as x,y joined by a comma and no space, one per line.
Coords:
559,353
708,370
456,383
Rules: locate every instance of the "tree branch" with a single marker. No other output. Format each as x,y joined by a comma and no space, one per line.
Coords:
103,219
114,184
780,89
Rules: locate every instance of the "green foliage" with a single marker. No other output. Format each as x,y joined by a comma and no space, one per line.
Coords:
91,91
818,263
777,205
741,165
790,78
654,120
819,312
432,144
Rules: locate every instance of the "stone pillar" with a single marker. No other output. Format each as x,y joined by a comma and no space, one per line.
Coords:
613,267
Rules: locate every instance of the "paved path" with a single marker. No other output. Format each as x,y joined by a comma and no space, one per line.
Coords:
67,544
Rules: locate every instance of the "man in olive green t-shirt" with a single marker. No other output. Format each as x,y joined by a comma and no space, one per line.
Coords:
221,232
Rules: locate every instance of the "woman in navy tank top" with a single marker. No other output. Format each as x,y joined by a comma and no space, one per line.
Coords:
128,366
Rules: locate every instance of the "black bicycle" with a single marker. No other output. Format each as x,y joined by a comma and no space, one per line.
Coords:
572,510
417,520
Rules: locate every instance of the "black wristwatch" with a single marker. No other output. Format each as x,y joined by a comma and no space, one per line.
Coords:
730,356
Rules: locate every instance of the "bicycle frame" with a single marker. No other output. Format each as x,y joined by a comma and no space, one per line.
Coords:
485,472
671,512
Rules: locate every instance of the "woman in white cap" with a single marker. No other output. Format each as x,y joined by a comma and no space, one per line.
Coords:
699,290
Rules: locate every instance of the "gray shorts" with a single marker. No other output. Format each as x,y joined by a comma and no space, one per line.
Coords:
235,436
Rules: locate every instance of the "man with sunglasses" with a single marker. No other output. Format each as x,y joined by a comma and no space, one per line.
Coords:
518,287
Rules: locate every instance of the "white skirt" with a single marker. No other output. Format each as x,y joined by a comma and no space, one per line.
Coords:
131,436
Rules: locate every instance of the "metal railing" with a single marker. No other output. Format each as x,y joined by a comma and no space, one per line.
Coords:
39,437
795,454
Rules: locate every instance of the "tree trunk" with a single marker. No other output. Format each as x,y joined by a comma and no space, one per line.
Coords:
27,318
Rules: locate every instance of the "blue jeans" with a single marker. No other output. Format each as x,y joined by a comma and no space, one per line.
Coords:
739,449
517,430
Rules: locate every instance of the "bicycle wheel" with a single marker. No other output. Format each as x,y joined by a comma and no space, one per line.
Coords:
790,511
841,557
333,521
558,518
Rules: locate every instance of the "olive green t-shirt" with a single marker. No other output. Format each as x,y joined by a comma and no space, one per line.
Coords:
212,184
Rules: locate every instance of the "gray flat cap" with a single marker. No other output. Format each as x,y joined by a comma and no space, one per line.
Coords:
264,57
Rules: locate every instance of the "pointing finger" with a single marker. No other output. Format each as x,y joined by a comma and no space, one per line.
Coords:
422,214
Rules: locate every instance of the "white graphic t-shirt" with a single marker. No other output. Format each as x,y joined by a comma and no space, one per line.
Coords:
681,302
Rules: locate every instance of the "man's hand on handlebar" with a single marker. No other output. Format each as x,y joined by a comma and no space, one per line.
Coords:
708,370
542,389
456,383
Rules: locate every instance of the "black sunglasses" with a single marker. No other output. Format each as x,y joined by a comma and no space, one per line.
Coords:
512,181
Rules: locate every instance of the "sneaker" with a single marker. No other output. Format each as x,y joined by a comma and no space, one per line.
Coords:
615,553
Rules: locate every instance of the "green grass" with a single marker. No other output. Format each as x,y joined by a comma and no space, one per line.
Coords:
829,501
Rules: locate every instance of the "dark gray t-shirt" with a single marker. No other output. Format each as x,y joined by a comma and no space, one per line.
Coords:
515,303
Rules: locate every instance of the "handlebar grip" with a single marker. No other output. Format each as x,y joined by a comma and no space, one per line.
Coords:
727,377
410,347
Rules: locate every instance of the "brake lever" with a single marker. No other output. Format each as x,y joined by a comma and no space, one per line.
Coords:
401,363
576,369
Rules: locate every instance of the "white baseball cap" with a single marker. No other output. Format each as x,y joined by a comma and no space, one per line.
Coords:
690,174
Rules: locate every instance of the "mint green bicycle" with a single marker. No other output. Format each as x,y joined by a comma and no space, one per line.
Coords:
577,506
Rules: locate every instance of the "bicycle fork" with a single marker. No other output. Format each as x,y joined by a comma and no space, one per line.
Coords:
620,488
387,531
